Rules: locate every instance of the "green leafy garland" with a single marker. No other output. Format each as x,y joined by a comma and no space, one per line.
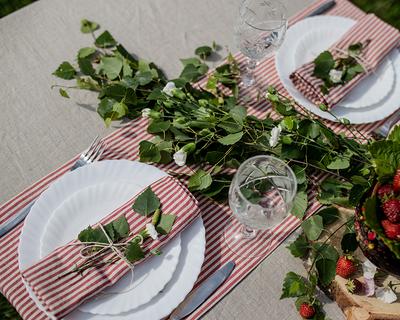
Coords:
209,128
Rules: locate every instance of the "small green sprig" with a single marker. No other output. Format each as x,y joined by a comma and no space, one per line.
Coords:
118,231
335,72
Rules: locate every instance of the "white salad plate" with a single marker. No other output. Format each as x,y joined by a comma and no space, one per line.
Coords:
83,197
375,98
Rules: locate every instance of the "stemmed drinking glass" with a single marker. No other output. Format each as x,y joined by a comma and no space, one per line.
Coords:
261,195
259,32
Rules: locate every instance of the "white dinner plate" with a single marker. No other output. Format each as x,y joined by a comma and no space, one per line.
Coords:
192,255
85,207
116,182
371,100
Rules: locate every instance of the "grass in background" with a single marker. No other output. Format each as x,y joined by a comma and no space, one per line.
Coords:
387,10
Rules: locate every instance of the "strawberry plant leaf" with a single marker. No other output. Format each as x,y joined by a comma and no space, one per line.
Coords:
146,203
65,71
200,180
300,204
88,26
299,248
326,271
313,227
121,227
105,40
293,286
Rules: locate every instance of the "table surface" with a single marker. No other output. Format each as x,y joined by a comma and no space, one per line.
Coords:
39,130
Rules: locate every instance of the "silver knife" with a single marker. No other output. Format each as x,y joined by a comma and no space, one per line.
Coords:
322,8
199,295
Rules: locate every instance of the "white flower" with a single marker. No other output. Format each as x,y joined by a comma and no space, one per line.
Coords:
168,88
146,112
386,295
275,133
335,75
369,287
152,231
369,269
180,157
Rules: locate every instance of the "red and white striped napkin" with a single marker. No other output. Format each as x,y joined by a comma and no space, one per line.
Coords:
383,38
60,295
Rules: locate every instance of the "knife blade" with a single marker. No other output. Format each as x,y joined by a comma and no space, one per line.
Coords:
322,8
199,295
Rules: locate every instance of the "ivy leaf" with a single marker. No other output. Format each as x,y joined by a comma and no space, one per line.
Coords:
111,232
134,252
105,40
120,109
105,107
65,71
323,64
190,73
200,180
294,285
164,226
85,65
86,52
87,84
349,242
329,215
238,113
121,227
231,138
300,174
144,77
63,93
313,227
299,247
88,26
158,126
148,152
326,270
110,66
203,52
146,203
300,204
194,61
339,163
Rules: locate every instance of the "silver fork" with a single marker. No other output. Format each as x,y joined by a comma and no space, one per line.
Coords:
92,153
383,131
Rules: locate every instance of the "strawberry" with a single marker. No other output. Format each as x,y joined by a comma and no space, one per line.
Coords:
385,191
307,311
345,266
371,235
392,230
354,286
391,209
396,181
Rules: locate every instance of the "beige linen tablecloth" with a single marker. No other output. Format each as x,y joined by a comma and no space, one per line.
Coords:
39,130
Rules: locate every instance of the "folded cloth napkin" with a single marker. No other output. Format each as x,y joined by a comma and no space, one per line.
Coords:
381,39
61,295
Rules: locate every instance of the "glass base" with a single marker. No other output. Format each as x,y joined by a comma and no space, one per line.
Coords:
245,242
248,80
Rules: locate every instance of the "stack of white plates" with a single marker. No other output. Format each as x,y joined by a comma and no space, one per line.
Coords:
83,197
375,98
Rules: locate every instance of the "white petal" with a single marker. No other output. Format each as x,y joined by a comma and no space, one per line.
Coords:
152,231
386,295
369,269
168,88
180,157
275,133
146,112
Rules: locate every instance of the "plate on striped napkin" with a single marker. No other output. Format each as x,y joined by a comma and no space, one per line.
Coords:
82,198
373,99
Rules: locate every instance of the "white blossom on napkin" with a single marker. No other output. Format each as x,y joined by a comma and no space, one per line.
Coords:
180,157
151,230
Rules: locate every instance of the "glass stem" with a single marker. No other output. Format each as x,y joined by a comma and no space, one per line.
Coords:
248,233
248,78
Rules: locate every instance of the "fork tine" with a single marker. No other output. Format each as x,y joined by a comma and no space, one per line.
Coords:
94,142
99,151
94,149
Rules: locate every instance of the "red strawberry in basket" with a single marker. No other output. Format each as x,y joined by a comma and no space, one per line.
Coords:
396,181
392,230
391,209
385,191
345,266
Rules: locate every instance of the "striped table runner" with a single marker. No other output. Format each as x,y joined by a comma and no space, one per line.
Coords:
124,144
